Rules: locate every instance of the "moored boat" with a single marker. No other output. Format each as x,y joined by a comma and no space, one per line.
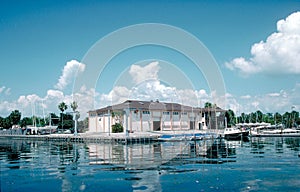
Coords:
180,137
235,133
277,132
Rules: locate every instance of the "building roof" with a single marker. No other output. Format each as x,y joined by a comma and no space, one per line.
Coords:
153,105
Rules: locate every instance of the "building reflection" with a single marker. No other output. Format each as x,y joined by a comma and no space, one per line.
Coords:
261,145
146,163
157,154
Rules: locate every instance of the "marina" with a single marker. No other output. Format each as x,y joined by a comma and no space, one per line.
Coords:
149,96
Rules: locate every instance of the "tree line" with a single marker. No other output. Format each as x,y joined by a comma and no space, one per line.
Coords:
63,122
287,119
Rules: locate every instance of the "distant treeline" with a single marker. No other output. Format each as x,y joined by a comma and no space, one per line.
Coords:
287,119
14,119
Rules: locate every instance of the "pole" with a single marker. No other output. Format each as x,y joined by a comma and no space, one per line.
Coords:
75,119
109,123
126,123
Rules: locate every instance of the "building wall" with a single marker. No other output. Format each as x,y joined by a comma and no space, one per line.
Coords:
101,124
144,120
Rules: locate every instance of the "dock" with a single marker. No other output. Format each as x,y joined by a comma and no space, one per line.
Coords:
131,138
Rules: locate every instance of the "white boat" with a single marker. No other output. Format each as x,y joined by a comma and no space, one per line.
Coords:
180,137
275,132
235,133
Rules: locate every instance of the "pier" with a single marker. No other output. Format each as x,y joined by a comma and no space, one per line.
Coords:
129,138
132,138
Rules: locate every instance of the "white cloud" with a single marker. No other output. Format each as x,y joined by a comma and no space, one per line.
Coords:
28,104
274,94
281,101
5,90
68,74
245,97
140,73
54,94
279,54
2,89
117,95
150,89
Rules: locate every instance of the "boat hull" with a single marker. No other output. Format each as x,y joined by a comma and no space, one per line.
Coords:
277,133
233,136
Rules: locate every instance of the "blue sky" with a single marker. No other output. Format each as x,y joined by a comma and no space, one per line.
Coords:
39,38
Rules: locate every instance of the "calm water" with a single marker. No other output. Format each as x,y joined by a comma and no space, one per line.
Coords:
260,164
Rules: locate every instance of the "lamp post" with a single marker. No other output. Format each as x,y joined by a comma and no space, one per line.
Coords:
75,118
126,122
109,122
126,110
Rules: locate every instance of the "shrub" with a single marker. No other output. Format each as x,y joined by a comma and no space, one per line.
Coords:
117,128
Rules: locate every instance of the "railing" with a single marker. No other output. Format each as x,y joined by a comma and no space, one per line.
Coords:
18,131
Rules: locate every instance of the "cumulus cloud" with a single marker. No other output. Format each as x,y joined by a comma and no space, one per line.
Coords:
54,94
68,73
140,73
280,101
117,95
245,96
42,105
150,88
278,54
5,90
2,89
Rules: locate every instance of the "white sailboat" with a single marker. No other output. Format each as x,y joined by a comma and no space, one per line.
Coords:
35,130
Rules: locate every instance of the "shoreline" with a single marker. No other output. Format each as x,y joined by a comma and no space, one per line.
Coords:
136,137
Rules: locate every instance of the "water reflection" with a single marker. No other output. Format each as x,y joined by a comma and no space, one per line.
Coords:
260,146
142,166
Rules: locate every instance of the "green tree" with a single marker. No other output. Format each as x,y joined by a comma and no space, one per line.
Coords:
83,125
259,116
117,128
54,119
294,117
62,107
243,118
1,122
67,123
268,118
118,116
15,117
277,118
74,106
6,124
230,117
208,105
26,121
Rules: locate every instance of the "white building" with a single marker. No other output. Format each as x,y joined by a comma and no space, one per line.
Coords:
142,116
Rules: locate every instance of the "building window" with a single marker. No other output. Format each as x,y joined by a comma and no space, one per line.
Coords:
184,113
146,112
166,113
175,113
93,114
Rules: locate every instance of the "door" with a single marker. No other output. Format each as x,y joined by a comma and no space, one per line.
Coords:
156,125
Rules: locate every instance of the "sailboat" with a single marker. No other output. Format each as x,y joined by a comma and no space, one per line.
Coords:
35,130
